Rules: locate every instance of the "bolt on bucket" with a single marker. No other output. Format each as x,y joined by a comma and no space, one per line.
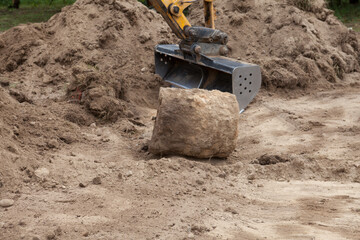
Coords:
211,73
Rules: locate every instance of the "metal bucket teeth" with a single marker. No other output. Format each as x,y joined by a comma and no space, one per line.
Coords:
212,73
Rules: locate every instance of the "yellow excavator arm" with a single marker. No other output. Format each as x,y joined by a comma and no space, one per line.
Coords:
195,40
199,60
173,13
210,14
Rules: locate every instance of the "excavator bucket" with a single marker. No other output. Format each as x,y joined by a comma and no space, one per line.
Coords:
220,73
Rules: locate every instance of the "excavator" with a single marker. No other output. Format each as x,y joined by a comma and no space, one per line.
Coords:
199,60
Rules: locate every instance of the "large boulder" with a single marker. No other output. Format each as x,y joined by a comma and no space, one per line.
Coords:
196,123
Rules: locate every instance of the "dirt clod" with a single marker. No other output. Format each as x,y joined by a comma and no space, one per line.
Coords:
199,229
271,159
120,176
96,181
53,143
51,236
231,210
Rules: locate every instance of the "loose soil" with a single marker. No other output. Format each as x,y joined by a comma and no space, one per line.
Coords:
78,98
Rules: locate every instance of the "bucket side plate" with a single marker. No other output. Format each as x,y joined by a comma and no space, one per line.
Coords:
211,73
246,83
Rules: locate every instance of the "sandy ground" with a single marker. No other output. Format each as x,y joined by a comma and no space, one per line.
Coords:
313,193
78,96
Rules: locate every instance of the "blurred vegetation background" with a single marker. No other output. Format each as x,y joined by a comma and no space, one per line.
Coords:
29,11
347,11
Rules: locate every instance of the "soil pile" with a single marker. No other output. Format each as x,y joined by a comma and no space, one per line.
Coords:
296,43
27,133
92,61
100,52
92,52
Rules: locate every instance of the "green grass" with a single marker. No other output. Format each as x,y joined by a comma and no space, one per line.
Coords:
349,14
38,3
29,11
42,10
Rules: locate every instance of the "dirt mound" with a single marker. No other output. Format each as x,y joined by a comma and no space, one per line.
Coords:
296,43
27,132
94,60
98,53
73,175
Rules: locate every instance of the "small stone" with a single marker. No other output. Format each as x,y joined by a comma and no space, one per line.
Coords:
271,159
58,231
82,185
222,175
35,238
200,182
22,223
112,165
129,174
93,125
144,37
164,30
199,229
143,69
231,210
50,236
96,181
42,173
12,149
53,143
86,234
120,176
32,123
6,203
251,177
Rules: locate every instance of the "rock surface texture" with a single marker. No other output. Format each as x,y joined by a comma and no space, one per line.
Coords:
196,123
6,203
